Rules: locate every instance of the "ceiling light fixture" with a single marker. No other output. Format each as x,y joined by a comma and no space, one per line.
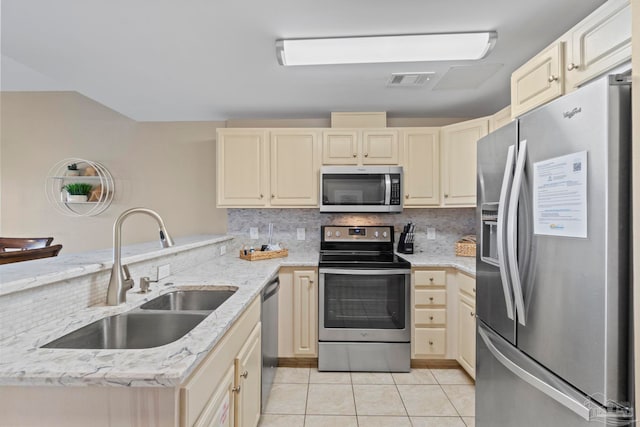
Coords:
402,48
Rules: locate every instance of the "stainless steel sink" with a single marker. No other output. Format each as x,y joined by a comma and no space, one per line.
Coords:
195,300
130,330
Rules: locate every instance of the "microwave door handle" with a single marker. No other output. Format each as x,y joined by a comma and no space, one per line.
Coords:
387,189
502,209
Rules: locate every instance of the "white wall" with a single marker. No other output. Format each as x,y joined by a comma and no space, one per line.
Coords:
168,167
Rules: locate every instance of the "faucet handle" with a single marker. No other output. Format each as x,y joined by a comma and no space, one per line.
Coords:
127,275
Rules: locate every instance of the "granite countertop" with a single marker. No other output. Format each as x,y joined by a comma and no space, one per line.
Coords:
22,362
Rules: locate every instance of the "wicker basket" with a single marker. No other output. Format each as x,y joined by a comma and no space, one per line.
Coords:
260,255
466,246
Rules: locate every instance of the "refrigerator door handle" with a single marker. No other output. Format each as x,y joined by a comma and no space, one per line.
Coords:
572,400
502,209
512,230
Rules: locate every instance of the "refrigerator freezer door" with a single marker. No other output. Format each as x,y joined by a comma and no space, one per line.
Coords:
493,291
576,290
513,390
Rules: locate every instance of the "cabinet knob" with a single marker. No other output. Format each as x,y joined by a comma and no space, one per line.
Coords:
472,314
474,290
366,154
553,78
273,196
245,374
430,298
430,342
406,196
261,196
446,196
572,67
355,155
236,389
430,317
431,279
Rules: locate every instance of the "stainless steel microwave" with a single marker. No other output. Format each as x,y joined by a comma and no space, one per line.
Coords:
361,189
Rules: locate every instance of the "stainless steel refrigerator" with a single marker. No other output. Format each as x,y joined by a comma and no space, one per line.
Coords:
553,264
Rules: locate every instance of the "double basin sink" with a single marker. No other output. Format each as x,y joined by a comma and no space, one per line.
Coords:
157,322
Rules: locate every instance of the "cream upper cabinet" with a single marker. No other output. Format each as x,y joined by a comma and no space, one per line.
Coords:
248,372
421,165
340,147
242,167
500,118
379,147
305,313
539,80
466,323
360,147
458,152
295,162
599,42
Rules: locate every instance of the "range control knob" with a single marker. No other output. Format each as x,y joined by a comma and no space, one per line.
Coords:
338,234
329,234
376,234
384,234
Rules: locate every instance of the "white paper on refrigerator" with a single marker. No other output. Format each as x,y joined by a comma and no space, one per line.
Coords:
560,196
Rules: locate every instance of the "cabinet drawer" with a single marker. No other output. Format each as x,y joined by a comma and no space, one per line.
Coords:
430,278
430,341
431,297
430,316
467,284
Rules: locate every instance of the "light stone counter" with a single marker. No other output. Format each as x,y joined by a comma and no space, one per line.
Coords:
23,362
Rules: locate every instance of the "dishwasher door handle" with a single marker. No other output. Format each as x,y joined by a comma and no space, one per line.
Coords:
271,290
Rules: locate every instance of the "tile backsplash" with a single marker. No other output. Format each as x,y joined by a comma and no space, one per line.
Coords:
449,224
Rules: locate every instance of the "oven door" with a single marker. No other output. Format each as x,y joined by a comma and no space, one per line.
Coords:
364,305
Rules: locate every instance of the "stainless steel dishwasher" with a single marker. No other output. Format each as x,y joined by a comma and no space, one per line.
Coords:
269,320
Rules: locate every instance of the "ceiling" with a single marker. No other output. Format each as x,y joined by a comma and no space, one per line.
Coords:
171,60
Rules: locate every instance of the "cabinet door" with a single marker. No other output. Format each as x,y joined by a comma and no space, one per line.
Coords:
421,163
340,147
500,118
429,342
380,147
459,161
243,170
599,42
305,313
467,334
295,162
219,411
248,371
538,81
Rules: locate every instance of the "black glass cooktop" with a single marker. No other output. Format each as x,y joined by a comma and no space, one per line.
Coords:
362,259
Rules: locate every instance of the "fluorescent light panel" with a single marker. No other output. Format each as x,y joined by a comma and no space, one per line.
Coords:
406,48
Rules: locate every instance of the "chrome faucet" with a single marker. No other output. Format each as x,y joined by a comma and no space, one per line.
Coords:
121,281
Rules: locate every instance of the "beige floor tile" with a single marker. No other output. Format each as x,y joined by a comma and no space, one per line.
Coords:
451,376
437,422
292,376
317,377
371,378
416,376
367,421
331,421
268,420
330,399
469,421
463,398
426,400
378,400
287,399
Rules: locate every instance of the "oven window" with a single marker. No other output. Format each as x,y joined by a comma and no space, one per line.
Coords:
353,189
364,302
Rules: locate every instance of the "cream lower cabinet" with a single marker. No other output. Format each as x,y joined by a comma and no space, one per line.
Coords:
421,163
298,313
248,371
220,411
429,317
467,323
458,166
360,147
268,167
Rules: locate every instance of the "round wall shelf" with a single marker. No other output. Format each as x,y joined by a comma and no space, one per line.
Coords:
88,172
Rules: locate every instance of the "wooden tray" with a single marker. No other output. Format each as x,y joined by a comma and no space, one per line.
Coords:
260,255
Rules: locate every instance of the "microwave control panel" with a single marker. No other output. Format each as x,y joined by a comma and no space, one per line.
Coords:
396,197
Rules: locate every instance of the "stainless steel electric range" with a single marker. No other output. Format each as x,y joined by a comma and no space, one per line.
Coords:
364,301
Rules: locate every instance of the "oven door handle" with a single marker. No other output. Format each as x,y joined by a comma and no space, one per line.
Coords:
368,272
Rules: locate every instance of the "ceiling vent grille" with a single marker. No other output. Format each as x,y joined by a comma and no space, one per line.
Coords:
409,79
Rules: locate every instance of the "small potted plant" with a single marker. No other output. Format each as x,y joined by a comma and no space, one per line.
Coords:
72,170
77,192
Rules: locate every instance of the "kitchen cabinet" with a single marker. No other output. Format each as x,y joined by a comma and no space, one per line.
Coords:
598,43
458,162
466,323
539,80
248,371
500,118
298,313
421,164
268,167
360,147
227,382
429,317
